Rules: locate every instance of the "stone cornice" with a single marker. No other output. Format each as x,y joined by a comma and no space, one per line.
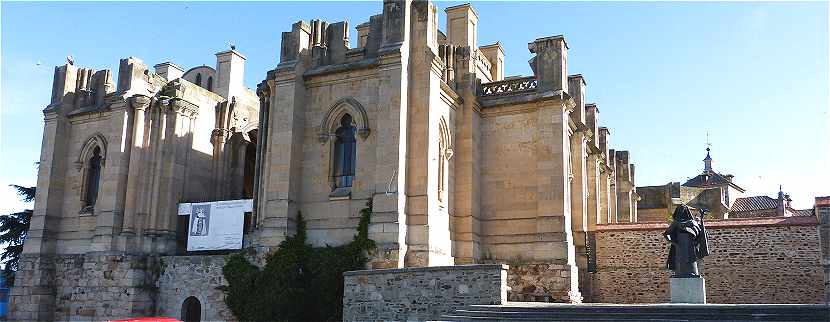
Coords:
271,75
390,57
139,102
182,107
437,66
283,78
286,66
345,78
345,67
541,44
527,97
263,90
450,93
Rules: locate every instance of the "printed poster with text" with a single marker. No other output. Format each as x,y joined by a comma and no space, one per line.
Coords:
216,225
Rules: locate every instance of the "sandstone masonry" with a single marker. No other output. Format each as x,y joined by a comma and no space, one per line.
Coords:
462,164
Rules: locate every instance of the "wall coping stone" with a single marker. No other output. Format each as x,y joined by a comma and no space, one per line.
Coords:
191,256
722,223
426,269
641,306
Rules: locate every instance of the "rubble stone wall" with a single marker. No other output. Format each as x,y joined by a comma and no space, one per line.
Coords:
541,283
770,260
198,276
95,286
420,293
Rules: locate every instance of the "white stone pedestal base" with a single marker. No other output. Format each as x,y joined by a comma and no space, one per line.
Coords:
687,290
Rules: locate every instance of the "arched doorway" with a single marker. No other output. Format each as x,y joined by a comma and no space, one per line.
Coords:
249,168
191,310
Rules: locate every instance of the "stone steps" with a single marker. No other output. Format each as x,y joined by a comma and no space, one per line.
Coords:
527,311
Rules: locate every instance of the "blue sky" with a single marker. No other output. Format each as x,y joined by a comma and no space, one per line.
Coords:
752,75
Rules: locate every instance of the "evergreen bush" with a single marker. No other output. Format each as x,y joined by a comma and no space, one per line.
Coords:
298,282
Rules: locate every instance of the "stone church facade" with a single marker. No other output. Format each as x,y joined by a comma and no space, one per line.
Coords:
461,164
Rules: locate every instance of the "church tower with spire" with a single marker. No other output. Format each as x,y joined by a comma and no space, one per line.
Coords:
714,191
707,162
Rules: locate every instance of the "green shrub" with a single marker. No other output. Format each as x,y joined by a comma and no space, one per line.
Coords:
298,282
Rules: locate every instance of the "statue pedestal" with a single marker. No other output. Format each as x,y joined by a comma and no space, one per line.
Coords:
687,290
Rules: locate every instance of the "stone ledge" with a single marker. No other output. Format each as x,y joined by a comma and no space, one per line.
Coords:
522,98
426,269
645,306
715,224
343,67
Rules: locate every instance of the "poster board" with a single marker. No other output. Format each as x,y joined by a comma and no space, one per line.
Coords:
216,225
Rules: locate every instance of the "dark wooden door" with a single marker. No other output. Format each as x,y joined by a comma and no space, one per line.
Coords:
191,310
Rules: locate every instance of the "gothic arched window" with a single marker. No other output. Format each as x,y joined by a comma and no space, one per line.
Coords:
199,80
345,148
93,178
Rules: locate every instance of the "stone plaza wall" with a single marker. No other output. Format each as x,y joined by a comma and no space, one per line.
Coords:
770,260
198,276
420,293
548,282
102,286
95,286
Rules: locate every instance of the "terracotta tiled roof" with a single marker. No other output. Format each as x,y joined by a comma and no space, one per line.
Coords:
754,203
801,212
823,201
710,179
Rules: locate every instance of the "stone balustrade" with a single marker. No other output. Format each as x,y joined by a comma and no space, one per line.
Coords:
508,86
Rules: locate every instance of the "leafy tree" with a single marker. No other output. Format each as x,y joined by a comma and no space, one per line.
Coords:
13,230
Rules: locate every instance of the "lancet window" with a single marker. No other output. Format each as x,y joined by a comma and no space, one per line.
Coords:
93,178
345,149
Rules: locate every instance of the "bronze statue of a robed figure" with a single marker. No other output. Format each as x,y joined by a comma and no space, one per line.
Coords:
687,236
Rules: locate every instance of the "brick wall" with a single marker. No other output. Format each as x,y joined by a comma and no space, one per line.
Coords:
420,293
770,260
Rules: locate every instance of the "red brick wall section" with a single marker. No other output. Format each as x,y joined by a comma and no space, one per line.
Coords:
759,260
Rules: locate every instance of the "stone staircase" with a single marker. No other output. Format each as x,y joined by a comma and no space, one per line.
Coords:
530,311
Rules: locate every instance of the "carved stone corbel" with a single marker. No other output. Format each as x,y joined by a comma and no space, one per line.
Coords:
219,135
448,153
183,107
323,137
364,133
140,102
